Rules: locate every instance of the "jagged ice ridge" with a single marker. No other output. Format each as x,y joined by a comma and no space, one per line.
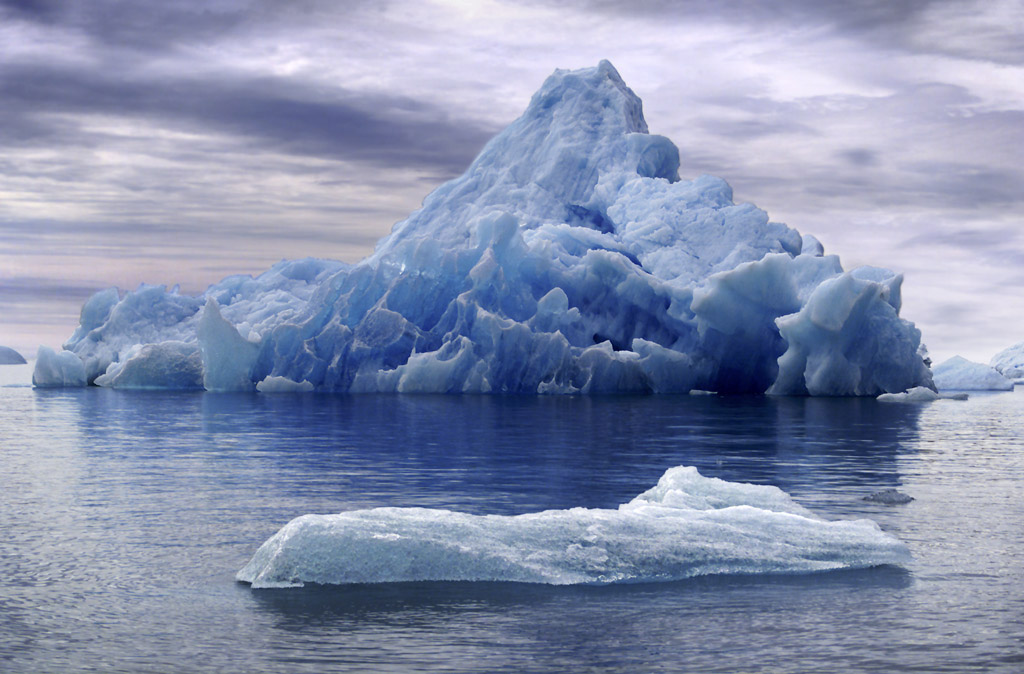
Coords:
568,258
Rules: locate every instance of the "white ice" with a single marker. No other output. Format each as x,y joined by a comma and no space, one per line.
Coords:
688,525
918,394
568,258
57,369
1010,362
958,373
283,385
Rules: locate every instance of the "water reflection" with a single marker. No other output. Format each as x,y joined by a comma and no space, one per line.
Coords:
298,608
501,454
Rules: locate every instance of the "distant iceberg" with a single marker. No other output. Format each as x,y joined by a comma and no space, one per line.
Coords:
568,258
958,373
688,525
9,356
1010,362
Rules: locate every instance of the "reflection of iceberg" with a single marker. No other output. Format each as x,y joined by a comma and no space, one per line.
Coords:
686,526
568,258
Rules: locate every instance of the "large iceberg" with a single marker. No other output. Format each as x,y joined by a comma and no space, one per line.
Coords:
687,525
568,258
960,374
1010,362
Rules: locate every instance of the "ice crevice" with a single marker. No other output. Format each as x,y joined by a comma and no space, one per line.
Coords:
569,258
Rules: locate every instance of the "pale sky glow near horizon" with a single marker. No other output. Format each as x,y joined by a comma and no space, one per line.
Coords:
178,143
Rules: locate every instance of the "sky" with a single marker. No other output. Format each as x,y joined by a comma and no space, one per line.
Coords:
178,143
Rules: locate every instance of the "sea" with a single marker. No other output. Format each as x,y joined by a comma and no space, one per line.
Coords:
124,517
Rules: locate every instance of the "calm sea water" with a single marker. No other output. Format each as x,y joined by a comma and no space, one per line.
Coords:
124,517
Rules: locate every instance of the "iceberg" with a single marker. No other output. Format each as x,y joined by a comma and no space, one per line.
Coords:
687,525
958,373
569,258
9,356
1010,362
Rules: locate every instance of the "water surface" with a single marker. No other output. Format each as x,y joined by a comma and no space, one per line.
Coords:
126,515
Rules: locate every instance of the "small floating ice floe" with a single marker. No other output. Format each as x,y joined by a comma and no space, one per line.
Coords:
687,525
919,394
889,497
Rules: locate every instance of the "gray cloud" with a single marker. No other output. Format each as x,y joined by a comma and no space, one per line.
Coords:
859,157
950,27
280,115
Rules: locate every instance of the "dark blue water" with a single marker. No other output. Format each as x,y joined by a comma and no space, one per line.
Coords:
124,517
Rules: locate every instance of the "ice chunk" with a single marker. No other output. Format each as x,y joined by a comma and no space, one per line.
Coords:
687,525
569,258
55,369
889,497
958,373
918,394
165,365
283,385
9,356
1010,362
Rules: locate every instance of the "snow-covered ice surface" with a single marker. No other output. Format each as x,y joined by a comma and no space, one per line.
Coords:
687,525
958,373
1010,362
568,258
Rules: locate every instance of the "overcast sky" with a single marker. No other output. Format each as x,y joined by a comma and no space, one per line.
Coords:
182,142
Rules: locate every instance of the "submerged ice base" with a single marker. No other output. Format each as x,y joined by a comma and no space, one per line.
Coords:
569,258
688,525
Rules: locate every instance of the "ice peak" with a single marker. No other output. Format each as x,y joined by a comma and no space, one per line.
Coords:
580,127
568,96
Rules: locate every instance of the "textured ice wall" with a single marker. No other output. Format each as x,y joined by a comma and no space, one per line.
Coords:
569,258
688,525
